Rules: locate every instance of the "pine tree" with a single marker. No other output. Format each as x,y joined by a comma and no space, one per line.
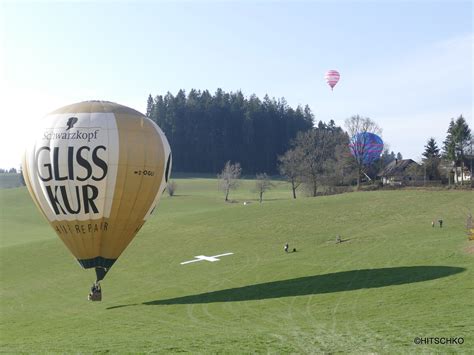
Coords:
457,142
449,144
462,139
431,149
387,157
206,130
149,106
431,159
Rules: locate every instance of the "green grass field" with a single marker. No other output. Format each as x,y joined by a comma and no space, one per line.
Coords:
394,277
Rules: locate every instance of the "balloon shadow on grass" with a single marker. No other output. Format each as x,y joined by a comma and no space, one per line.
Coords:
317,284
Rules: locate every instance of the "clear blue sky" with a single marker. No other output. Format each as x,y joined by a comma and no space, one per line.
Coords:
405,64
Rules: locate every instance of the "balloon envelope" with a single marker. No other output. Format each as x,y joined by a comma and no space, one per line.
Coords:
332,77
96,170
366,147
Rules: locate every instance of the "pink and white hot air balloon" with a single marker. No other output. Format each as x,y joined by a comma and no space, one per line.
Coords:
332,77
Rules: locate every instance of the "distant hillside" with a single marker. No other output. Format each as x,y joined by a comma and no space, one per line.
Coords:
9,180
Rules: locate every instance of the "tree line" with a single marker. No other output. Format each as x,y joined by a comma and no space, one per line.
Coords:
324,156
457,153
8,171
207,130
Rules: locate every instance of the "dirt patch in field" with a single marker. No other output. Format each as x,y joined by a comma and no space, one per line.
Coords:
470,249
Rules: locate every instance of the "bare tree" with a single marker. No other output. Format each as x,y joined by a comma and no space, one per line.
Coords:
21,176
317,148
344,167
356,127
229,178
171,187
290,168
263,184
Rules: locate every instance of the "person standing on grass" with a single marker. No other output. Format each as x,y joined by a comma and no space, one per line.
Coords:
286,247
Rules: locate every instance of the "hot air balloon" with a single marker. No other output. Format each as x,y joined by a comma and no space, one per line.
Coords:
332,77
366,147
96,170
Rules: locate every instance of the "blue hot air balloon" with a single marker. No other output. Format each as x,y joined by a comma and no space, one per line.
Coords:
366,147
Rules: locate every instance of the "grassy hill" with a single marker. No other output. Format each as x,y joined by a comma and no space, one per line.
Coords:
394,277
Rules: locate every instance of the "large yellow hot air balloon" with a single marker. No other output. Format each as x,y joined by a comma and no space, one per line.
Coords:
96,170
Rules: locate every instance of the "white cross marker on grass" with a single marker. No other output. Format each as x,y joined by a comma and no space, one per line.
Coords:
206,258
